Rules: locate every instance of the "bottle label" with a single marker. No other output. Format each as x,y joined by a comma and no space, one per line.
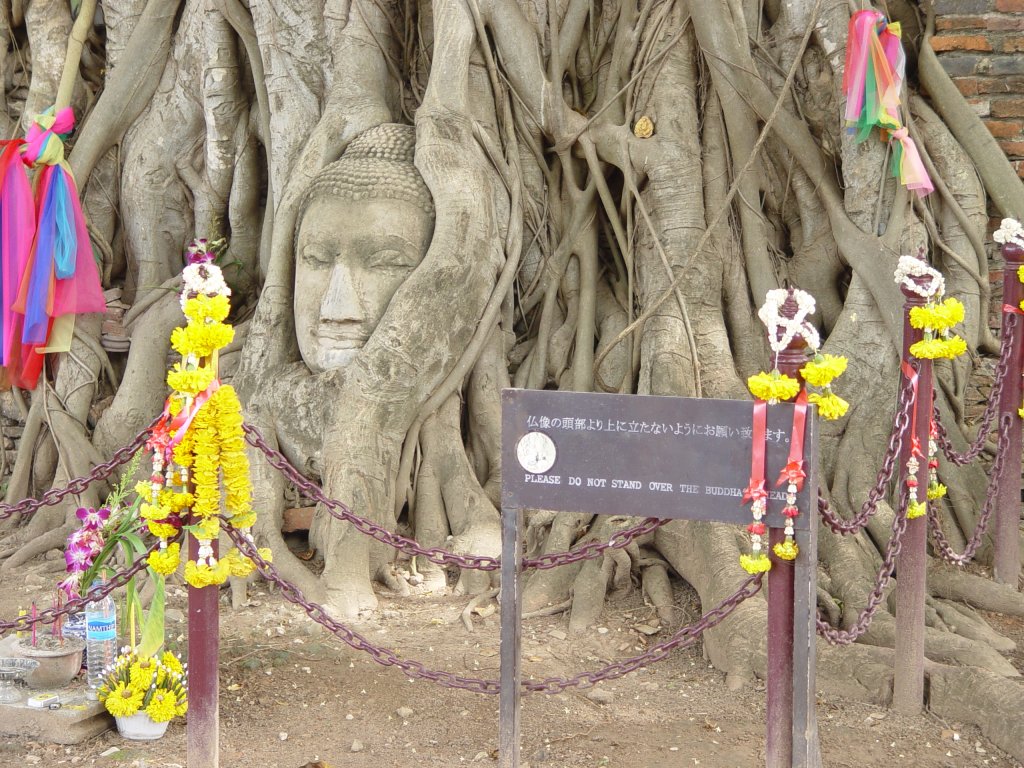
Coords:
102,629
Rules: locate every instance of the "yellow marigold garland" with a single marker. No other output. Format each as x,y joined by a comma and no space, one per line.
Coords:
822,369
786,550
938,349
190,381
939,316
166,561
210,455
201,340
773,387
830,406
755,564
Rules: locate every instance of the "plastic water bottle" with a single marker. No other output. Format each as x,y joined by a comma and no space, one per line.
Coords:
74,628
100,639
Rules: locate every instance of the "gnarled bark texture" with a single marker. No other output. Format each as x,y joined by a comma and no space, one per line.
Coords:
568,252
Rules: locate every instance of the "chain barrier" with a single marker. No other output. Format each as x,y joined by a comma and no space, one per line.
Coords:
386,657
942,544
844,637
340,511
77,605
901,424
991,407
79,484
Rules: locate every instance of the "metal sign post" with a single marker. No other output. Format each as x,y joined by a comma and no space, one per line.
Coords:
664,457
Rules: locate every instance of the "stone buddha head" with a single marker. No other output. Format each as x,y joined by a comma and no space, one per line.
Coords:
364,225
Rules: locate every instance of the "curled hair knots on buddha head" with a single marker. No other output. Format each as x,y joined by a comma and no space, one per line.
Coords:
377,164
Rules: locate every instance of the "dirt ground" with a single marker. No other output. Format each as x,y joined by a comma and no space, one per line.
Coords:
292,695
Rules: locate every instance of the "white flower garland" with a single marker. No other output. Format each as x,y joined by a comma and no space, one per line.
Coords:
914,266
1010,231
771,315
203,279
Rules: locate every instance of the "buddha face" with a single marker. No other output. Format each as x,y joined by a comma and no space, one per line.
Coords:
351,258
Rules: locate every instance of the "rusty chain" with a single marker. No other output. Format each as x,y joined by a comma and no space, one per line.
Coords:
79,484
415,669
844,637
340,511
76,605
942,544
901,424
991,407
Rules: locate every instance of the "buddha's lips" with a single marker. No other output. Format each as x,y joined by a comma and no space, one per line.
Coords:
341,339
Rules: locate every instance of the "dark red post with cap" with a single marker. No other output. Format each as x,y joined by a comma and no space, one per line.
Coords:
781,593
1006,526
911,563
203,719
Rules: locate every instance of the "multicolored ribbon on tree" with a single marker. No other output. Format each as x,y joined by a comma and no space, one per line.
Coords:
872,80
48,269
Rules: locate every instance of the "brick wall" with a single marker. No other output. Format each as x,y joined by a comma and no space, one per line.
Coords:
981,45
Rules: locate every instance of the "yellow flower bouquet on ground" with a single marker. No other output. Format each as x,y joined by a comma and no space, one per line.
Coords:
150,686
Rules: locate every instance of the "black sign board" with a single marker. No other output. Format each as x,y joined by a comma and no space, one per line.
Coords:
643,456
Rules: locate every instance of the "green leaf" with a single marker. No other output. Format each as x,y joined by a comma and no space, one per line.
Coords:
153,628
135,542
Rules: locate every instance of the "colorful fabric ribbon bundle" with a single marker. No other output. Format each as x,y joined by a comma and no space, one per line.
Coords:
47,269
872,79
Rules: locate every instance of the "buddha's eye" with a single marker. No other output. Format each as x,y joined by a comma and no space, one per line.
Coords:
317,257
390,258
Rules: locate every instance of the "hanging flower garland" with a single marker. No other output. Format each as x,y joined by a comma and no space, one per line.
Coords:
819,372
1011,232
937,317
773,387
200,439
936,490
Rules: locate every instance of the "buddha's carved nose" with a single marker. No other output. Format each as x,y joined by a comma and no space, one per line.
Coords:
342,302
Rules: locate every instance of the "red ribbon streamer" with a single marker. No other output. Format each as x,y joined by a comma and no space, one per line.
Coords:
1013,309
794,470
915,443
756,489
171,430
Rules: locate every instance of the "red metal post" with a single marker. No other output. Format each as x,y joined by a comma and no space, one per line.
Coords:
781,594
1006,525
203,724
779,740
911,563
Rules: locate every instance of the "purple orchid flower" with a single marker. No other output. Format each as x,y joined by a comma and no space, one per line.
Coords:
199,252
70,586
92,519
87,539
78,557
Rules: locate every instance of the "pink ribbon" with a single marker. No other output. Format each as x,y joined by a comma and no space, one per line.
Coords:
794,469
755,491
907,164
915,443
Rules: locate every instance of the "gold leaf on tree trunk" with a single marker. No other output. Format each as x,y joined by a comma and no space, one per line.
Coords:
643,128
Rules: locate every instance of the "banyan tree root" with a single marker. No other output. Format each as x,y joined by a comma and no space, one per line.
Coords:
615,185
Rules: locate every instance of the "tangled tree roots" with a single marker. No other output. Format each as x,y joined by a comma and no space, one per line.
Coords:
616,185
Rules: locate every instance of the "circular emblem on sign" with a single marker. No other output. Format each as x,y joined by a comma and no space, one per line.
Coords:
536,452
